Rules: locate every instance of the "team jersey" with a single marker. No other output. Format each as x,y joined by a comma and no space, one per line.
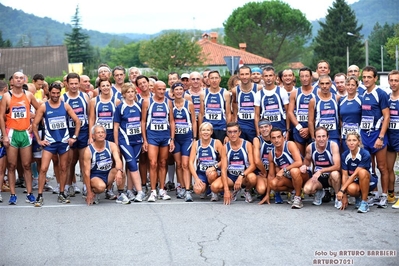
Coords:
237,160
140,98
246,107
158,126
18,115
79,106
183,123
104,113
350,112
101,161
393,128
129,119
215,109
271,103
302,106
206,156
372,105
321,159
55,121
362,159
196,102
265,148
285,159
326,115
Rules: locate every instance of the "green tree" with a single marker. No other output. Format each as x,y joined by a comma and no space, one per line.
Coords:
171,51
392,43
271,29
332,39
377,38
78,43
4,43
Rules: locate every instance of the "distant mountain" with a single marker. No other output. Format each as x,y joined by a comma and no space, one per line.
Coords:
368,13
17,25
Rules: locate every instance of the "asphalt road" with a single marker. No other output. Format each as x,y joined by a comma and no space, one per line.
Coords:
199,233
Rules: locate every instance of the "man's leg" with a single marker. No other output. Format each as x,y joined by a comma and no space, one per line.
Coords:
26,159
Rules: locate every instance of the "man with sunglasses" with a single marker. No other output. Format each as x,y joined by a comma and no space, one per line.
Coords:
194,91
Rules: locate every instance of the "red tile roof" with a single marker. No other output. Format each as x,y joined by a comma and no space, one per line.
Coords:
214,54
296,65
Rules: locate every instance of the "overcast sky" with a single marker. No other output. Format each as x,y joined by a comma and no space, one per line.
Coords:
152,16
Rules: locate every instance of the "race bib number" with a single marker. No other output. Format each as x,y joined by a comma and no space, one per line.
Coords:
107,122
265,162
204,165
302,115
159,125
328,123
58,122
349,127
272,116
182,128
213,114
133,128
367,122
394,122
246,113
104,165
18,112
82,119
236,169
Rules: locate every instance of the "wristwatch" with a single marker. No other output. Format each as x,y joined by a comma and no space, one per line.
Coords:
381,138
74,137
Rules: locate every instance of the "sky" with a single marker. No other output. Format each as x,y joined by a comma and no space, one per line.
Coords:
152,16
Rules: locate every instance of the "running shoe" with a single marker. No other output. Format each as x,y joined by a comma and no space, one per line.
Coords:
248,197
202,195
13,200
235,194
396,205
39,201
358,202
214,197
318,197
338,204
383,202
76,188
290,197
163,195
297,203
180,192
47,187
169,186
130,195
364,207
56,190
71,191
188,197
96,199
327,196
122,199
139,197
30,198
109,194
391,198
153,196
63,199
277,198
1,198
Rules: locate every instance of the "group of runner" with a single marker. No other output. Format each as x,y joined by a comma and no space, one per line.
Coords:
262,136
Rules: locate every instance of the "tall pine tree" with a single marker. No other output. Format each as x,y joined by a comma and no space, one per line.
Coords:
78,43
377,38
332,39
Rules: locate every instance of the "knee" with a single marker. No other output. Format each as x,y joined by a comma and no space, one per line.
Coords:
295,173
153,164
307,189
179,166
353,189
185,166
335,176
